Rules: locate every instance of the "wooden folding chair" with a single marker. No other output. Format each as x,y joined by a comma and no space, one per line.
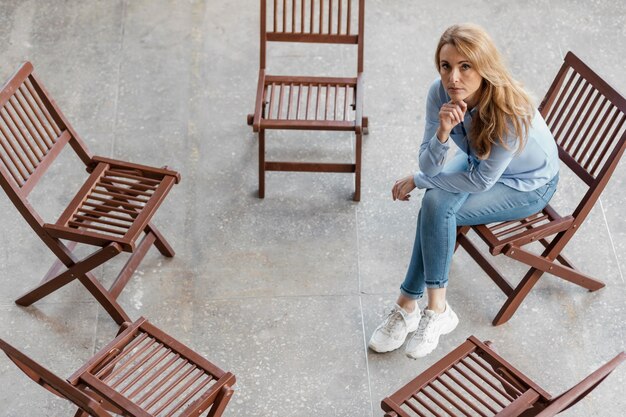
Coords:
311,103
111,210
473,380
586,117
143,372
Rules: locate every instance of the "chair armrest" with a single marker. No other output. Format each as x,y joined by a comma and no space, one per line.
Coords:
165,171
359,104
530,235
258,105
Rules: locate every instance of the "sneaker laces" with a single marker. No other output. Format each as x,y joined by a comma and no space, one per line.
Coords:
394,317
425,327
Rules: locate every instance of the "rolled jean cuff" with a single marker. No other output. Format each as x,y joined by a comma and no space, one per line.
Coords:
437,284
409,294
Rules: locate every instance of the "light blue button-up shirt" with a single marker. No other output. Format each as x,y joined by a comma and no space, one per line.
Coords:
527,170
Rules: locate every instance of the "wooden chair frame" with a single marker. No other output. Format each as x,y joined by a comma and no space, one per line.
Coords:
111,210
319,21
143,372
587,118
473,380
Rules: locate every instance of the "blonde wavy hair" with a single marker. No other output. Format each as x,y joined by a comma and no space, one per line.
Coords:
504,107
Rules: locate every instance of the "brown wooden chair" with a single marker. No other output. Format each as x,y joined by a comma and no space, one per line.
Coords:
473,380
586,117
111,210
310,103
143,372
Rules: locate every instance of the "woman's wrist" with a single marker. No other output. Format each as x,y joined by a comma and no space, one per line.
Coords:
443,135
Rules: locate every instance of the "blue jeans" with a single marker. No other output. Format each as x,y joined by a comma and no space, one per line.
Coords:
443,211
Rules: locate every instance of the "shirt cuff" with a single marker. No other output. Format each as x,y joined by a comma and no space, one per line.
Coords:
438,149
418,180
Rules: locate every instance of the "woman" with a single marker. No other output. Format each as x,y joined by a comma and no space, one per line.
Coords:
505,168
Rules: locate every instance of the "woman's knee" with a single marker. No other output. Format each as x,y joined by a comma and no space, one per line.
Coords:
437,202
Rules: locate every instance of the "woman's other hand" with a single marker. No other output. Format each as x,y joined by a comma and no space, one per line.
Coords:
450,115
402,188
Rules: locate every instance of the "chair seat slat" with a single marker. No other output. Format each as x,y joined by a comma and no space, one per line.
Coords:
437,402
450,400
131,191
120,196
177,394
423,404
163,353
111,201
135,363
169,388
79,218
476,384
469,390
491,372
191,394
104,206
462,397
143,180
133,343
486,379
164,380
116,181
521,225
158,372
106,214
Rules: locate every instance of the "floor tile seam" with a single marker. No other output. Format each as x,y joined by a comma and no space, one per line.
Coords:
367,364
119,75
360,294
44,303
608,229
278,297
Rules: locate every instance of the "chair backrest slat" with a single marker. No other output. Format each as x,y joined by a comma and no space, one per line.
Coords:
31,130
316,21
27,132
586,117
325,21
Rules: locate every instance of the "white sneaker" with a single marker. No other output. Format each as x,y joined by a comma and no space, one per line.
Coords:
392,332
432,325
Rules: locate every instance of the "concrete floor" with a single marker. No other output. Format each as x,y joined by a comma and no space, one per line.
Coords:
285,291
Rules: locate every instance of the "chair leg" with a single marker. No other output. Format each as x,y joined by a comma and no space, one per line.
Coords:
73,272
58,265
161,244
460,231
365,123
357,171
131,265
515,299
81,270
262,163
81,413
485,264
221,401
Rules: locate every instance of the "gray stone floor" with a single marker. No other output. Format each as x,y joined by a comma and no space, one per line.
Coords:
285,291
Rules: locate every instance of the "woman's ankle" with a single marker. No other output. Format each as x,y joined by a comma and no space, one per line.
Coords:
407,304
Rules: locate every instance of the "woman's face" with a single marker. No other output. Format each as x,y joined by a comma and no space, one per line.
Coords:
460,79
